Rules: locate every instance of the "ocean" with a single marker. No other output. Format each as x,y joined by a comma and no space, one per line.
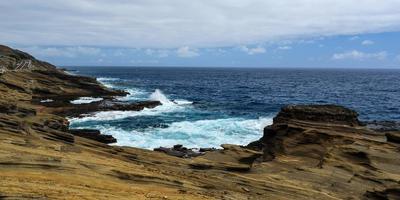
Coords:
207,107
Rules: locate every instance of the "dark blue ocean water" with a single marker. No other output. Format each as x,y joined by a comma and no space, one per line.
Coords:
232,105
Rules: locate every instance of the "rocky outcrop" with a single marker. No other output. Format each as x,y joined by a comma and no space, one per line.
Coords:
230,158
318,113
179,151
317,140
93,135
70,110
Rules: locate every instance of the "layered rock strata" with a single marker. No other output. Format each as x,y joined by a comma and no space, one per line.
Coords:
309,152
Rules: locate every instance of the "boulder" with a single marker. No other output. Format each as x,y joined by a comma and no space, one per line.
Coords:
179,151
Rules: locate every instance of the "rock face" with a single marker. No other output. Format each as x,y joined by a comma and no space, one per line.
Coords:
318,113
309,152
318,140
93,135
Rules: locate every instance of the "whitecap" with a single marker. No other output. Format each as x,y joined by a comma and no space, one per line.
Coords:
117,115
102,79
134,95
158,95
86,100
182,102
193,134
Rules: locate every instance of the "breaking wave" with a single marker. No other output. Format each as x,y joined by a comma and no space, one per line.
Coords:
178,122
193,134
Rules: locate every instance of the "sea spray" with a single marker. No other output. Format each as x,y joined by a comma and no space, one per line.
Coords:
158,95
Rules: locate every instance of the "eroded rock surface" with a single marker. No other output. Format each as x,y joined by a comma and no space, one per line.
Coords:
336,153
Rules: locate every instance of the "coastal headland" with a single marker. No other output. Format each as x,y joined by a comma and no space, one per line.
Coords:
309,152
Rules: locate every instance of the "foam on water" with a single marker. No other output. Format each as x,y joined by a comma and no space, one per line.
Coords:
135,94
105,79
166,107
193,134
86,100
117,115
158,95
182,102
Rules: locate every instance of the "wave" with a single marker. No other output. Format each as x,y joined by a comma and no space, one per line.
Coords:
158,95
182,102
86,100
102,79
193,134
117,115
134,95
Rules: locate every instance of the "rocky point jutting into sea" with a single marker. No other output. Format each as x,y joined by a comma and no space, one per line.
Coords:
309,152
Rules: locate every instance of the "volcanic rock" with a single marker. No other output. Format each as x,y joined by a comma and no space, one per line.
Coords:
179,151
318,113
93,135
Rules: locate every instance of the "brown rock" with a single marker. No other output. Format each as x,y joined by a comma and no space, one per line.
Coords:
93,135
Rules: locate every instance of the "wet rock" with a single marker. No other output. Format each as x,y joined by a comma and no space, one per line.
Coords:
207,149
179,151
383,126
93,135
69,110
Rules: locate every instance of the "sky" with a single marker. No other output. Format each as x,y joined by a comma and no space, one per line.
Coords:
209,33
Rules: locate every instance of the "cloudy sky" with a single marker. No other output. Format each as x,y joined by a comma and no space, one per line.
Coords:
237,33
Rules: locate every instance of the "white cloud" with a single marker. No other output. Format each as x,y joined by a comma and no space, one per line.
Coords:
354,38
367,42
194,23
358,55
69,52
161,53
284,47
143,62
252,51
398,58
186,52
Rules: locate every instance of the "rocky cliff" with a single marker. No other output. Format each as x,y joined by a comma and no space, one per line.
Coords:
309,152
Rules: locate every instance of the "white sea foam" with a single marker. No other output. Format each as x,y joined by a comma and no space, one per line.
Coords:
158,95
166,107
86,100
117,115
134,94
103,79
194,134
46,101
182,102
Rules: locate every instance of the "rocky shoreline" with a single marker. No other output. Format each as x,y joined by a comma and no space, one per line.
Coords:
309,152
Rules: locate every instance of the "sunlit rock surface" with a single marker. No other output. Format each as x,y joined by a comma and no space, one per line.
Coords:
310,152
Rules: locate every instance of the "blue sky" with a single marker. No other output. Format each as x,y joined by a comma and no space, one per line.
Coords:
226,33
